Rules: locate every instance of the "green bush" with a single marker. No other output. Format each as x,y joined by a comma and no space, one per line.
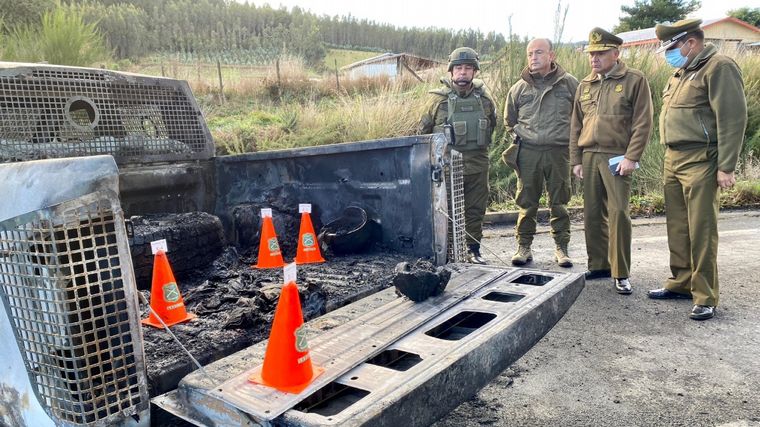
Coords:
62,38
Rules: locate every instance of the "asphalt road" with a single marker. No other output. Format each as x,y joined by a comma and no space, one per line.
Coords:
627,360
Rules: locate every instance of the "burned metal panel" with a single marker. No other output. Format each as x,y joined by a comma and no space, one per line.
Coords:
457,243
391,179
49,111
458,353
167,188
487,318
69,323
349,345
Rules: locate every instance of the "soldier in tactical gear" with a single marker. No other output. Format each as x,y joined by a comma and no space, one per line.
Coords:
465,103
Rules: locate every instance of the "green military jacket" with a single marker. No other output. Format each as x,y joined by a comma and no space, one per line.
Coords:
475,156
705,104
538,108
611,114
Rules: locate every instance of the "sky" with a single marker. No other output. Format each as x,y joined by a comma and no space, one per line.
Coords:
532,18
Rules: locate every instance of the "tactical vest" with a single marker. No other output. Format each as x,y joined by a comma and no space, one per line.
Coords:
468,118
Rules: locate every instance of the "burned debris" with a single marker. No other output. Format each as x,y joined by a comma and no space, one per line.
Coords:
420,280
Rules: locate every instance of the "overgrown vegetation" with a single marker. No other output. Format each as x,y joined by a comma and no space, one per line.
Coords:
301,111
62,37
242,32
291,97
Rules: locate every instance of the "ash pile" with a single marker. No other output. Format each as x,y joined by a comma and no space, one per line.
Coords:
235,302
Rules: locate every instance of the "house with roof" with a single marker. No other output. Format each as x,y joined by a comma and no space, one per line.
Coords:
389,64
728,32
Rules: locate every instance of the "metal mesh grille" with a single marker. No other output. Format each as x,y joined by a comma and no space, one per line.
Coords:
456,236
62,286
62,112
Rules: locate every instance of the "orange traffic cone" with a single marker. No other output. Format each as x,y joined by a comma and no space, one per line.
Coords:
308,248
269,250
287,364
165,299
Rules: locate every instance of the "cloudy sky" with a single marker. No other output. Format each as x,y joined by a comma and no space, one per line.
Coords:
533,18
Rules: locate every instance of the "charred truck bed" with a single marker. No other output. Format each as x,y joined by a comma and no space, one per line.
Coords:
80,148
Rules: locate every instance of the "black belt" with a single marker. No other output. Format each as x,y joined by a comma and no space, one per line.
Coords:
691,146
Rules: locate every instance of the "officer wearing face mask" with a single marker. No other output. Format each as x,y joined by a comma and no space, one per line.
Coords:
702,124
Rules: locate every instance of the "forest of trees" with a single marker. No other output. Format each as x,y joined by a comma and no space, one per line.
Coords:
244,32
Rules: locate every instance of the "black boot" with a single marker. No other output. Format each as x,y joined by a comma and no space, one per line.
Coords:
474,255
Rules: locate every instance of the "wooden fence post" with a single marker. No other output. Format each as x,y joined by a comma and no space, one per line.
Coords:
337,81
221,83
279,83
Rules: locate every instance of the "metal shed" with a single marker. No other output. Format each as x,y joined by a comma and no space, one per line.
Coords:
390,65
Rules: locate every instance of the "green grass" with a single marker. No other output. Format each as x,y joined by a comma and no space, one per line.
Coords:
345,57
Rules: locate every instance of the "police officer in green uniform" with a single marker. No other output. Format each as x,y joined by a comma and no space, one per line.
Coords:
537,117
702,124
612,117
465,104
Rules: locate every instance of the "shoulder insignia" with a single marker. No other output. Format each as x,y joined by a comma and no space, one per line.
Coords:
618,88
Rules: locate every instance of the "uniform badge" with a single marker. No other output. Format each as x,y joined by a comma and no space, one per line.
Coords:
586,90
595,37
618,88
585,96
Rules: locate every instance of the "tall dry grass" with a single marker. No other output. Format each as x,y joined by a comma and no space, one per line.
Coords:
384,112
303,109
648,179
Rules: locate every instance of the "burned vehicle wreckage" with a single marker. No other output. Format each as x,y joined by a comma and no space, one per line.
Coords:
95,165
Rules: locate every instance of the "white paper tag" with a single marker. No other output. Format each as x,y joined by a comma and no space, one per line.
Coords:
266,212
304,208
289,272
158,245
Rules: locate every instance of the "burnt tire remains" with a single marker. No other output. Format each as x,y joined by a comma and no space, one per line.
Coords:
194,241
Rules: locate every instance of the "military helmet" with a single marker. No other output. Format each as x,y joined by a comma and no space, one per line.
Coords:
464,55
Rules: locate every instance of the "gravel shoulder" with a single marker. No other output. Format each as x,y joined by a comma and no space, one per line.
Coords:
628,360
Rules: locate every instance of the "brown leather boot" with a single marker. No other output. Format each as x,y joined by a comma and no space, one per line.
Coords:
563,259
522,256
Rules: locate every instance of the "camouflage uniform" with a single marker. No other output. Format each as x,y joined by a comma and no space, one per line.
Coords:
472,143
